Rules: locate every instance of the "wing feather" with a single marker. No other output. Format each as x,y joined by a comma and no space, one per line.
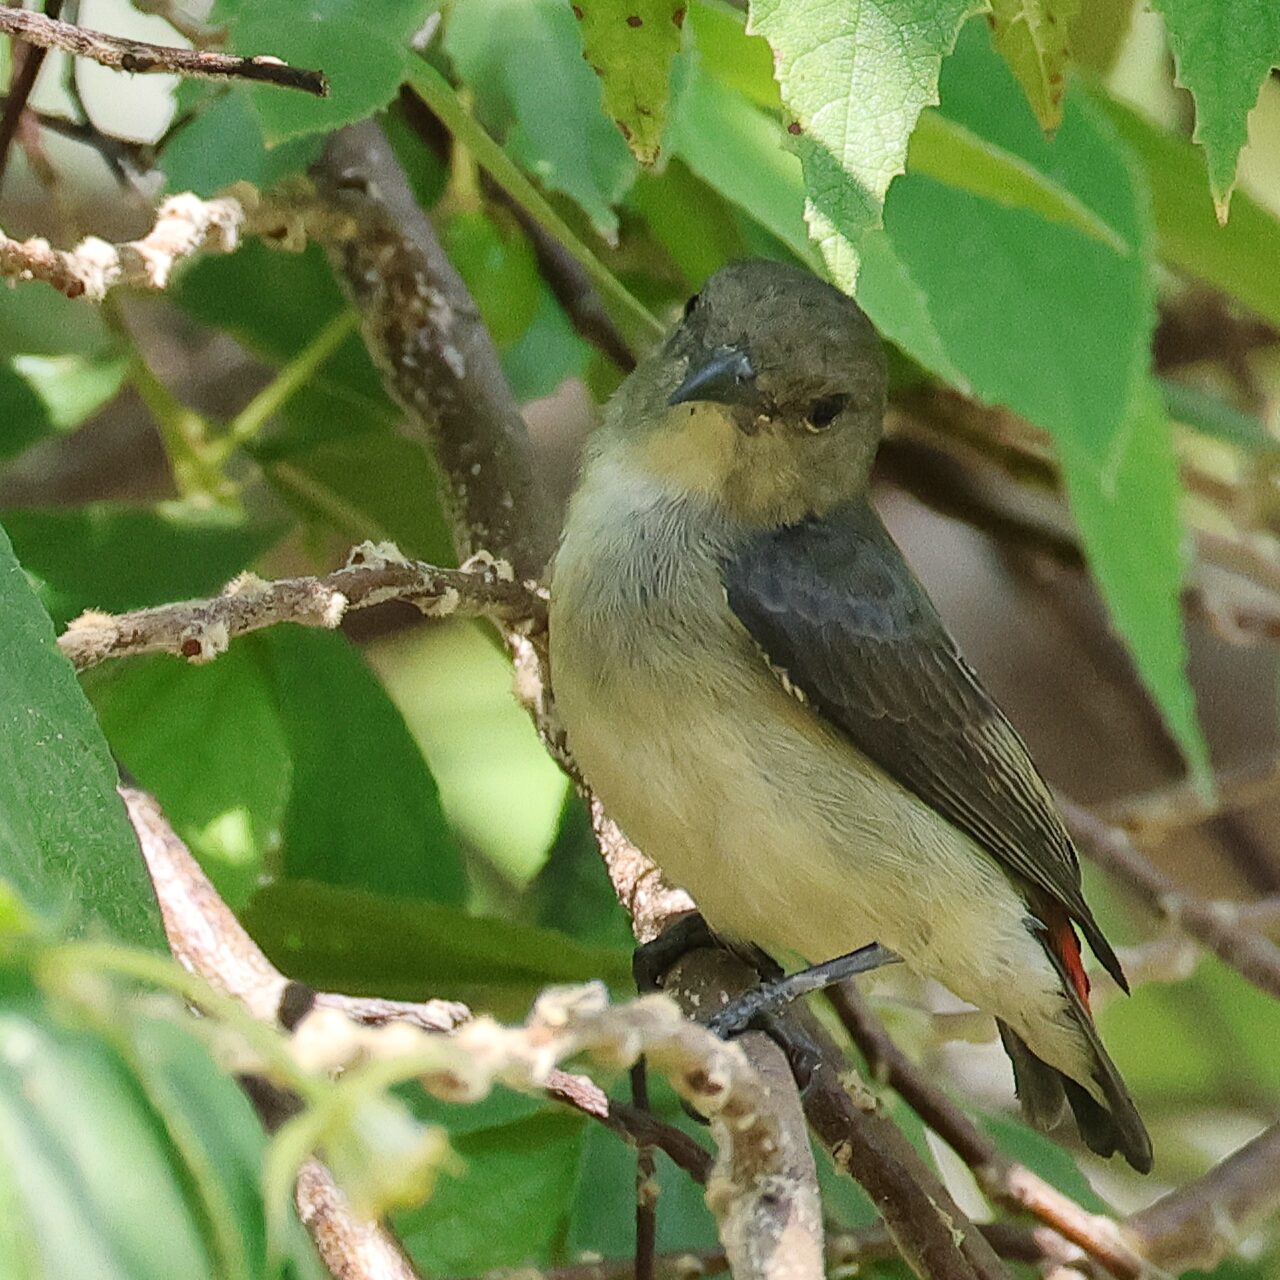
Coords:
834,605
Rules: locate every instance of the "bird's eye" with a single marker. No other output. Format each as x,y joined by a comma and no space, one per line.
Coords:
690,305
823,412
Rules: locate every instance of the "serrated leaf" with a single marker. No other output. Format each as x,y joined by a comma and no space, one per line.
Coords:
630,45
1033,38
1223,50
365,57
854,79
1009,292
1241,258
65,843
522,59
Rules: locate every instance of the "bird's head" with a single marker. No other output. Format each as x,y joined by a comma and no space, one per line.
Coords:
767,397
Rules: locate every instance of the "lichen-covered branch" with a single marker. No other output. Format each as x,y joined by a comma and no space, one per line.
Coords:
199,630
185,226
140,58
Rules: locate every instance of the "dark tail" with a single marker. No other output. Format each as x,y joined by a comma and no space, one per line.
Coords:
1045,1092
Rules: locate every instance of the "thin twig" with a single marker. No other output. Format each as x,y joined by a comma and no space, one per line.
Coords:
185,226
199,630
140,58
1008,1183
1220,930
646,1183
21,82
351,1248
1198,1225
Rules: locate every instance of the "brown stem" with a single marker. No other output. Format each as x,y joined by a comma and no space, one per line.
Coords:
199,630
141,58
1253,956
1010,1184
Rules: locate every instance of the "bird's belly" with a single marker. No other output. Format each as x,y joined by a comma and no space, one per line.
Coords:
783,846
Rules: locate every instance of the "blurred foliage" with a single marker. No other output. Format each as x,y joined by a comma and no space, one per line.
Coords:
383,818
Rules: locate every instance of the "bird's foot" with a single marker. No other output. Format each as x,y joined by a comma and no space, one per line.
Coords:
771,997
690,932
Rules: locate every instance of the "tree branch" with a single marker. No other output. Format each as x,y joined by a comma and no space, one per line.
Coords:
185,226
1196,1226
424,332
1010,1184
199,630
140,58
1223,932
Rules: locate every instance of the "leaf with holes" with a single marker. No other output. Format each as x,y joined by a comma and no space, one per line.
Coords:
630,44
1032,37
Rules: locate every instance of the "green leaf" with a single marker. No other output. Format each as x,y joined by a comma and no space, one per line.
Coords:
208,742
71,387
211,1124
96,1168
502,792
572,892
365,59
733,147
65,841
630,45
1130,525
854,79
61,365
371,484
944,149
294,297
1242,258
363,810
1033,38
522,59
548,352
349,940
603,1215
223,144
1009,293
508,1206
115,557
1042,1155
497,263
1223,50
735,59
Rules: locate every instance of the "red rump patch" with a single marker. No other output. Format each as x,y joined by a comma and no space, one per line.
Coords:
1063,940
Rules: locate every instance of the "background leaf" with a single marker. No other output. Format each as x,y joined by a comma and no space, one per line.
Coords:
630,45
364,61
523,61
1033,38
65,843
1223,50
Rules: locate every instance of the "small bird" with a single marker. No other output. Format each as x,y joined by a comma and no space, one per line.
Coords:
762,695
